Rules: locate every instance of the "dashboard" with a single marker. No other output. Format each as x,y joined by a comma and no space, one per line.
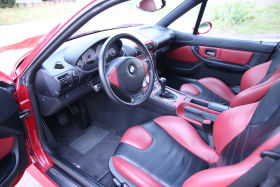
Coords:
72,70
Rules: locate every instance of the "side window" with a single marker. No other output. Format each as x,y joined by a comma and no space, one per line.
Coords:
242,19
186,22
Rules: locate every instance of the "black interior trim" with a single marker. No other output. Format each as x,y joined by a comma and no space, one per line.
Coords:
74,172
60,178
200,15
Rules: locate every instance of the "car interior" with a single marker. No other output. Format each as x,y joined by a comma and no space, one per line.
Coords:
152,106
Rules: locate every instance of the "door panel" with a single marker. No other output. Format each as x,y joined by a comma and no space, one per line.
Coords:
6,145
245,45
194,57
182,54
13,157
226,55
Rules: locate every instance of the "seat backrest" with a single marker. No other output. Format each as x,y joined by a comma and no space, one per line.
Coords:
257,81
238,132
260,73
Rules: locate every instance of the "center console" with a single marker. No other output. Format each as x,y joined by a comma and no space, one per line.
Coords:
170,101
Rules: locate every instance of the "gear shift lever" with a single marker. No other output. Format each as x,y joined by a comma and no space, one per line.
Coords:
164,93
162,82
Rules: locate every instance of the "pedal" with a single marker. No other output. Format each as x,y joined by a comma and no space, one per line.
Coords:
74,110
62,119
84,115
79,115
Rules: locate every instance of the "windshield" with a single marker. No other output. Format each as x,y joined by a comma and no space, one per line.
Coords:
127,14
20,34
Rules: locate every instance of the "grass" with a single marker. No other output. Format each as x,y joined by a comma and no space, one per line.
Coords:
33,14
245,17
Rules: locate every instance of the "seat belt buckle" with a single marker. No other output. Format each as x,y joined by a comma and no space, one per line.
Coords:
208,126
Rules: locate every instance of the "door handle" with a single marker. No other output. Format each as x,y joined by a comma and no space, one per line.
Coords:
211,52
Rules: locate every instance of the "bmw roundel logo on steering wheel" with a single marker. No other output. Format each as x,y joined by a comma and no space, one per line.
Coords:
131,69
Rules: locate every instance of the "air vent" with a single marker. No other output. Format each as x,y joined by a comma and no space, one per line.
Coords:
150,46
138,51
58,65
64,80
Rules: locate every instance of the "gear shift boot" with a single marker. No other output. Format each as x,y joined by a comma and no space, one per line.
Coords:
163,93
166,95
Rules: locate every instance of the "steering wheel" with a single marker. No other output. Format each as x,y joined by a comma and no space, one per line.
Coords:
126,74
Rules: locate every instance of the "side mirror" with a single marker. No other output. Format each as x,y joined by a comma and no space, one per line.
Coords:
151,5
204,27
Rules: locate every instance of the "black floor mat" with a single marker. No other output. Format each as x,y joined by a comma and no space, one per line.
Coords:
115,116
89,150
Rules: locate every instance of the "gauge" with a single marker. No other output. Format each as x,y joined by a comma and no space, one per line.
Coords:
112,52
89,56
98,49
80,63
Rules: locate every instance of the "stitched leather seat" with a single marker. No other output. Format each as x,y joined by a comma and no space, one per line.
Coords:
168,151
254,84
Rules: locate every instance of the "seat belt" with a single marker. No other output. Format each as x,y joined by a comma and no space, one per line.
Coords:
208,129
276,48
260,174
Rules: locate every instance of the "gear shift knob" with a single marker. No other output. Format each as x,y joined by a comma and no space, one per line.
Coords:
162,82
164,93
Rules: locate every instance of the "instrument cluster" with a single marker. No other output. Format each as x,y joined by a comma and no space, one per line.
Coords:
89,59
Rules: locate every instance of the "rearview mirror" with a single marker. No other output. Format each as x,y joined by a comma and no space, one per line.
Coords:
151,5
204,27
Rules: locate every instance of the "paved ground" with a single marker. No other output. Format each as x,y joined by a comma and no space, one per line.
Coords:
28,181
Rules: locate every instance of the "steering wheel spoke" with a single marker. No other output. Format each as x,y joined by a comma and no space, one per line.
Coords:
113,77
137,96
146,66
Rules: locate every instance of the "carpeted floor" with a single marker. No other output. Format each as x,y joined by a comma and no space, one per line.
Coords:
89,150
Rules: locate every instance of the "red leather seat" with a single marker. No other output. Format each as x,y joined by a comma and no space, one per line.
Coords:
254,84
168,151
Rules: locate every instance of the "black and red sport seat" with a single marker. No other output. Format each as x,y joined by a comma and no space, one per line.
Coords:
254,84
169,152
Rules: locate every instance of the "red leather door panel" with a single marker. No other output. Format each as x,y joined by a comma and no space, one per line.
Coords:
6,145
228,55
182,54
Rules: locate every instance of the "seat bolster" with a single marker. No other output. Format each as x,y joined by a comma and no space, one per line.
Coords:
230,124
255,93
251,95
186,135
133,173
137,137
224,176
218,87
254,75
189,88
